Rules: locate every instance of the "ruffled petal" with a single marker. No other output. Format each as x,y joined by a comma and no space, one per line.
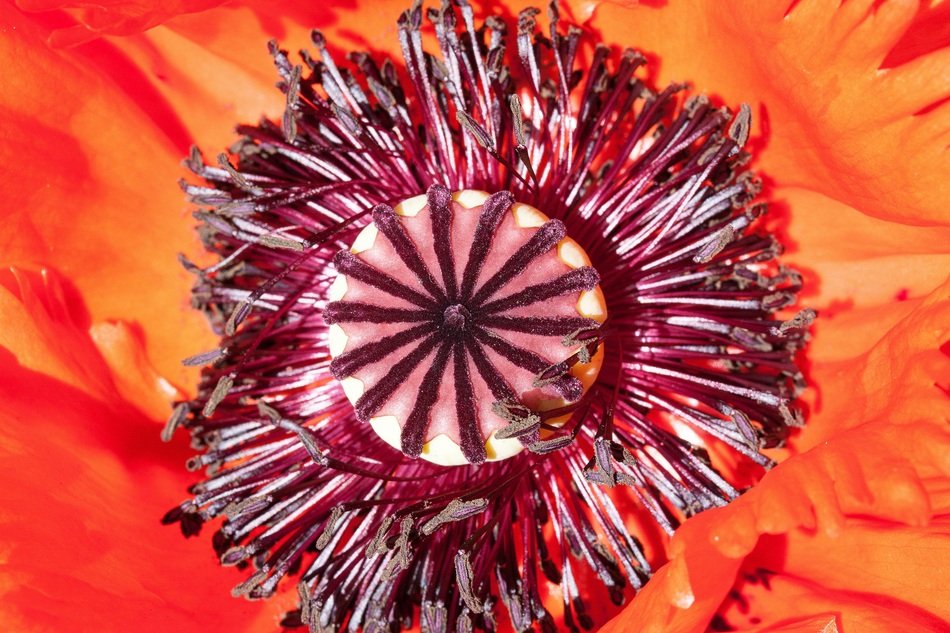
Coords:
136,380
83,487
855,260
111,17
816,506
883,482
786,598
831,117
43,314
214,68
89,189
902,377
862,274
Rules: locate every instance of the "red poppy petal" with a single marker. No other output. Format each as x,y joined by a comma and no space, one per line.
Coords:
849,257
89,188
123,351
41,329
870,556
83,487
778,605
902,377
819,623
213,67
832,119
860,473
112,17
44,315
893,469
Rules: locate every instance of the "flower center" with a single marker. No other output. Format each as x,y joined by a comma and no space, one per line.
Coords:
454,318
458,321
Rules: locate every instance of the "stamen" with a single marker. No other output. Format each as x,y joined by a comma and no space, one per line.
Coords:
801,321
205,358
225,383
278,241
174,421
457,510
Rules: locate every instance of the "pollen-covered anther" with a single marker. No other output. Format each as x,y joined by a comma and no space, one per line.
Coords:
451,303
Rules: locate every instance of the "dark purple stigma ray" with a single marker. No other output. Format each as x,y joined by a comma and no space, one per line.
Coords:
577,280
493,210
547,326
352,266
413,433
389,225
359,312
439,200
350,362
471,441
376,396
567,386
541,242
499,387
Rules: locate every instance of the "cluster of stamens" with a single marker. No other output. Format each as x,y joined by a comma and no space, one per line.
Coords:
694,356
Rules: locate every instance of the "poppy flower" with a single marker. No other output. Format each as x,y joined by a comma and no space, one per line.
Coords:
92,351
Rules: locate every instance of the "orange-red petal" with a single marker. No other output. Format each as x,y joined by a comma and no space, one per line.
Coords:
111,17
830,117
818,505
872,491
902,377
89,189
85,483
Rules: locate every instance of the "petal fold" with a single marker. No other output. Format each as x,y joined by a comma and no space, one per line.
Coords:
85,482
89,188
830,116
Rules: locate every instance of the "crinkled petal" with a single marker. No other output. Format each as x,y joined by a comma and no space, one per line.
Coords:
853,259
213,70
883,482
780,605
815,506
831,117
112,17
89,189
902,377
83,486
42,313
